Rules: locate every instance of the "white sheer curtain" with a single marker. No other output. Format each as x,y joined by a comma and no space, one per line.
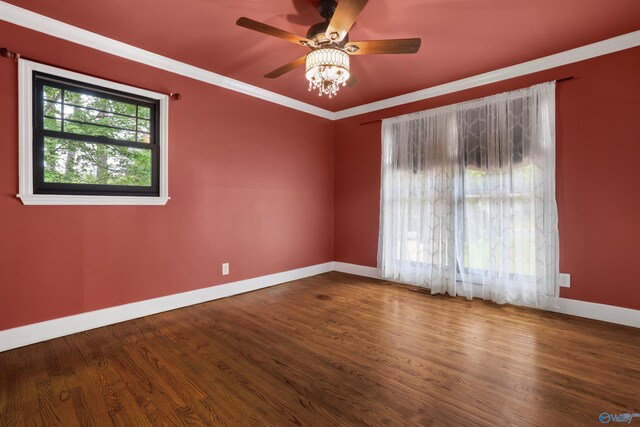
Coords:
468,198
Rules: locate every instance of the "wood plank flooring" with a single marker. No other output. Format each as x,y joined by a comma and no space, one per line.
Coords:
330,350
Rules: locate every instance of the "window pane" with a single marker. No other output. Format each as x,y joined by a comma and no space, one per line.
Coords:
144,112
481,203
144,137
51,93
52,109
144,125
52,124
78,122
104,104
77,162
476,247
100,117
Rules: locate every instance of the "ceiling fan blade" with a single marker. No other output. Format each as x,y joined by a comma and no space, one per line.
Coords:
272,31
343,18
353,79
376,47
286,68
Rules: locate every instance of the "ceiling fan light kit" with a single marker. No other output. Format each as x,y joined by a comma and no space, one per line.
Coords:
327,65
327,70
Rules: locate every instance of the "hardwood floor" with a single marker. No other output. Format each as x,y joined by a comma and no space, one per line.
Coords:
332,350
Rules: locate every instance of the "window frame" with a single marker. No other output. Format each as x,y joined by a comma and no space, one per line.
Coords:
75,194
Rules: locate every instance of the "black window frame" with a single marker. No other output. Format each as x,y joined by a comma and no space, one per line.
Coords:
39,80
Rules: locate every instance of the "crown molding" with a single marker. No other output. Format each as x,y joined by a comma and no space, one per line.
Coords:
43,24
615,44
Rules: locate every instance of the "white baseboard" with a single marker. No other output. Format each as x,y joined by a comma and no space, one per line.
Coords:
590,310
358,270
604,312
43,331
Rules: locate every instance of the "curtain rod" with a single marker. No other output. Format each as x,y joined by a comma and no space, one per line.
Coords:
380,120
6,53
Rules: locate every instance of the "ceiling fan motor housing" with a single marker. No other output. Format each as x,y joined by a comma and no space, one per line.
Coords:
317,33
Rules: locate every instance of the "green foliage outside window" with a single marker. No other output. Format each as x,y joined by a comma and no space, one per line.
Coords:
72,161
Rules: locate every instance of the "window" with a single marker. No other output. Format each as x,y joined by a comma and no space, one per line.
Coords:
85,140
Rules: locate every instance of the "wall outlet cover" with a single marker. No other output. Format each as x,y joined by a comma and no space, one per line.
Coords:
565,280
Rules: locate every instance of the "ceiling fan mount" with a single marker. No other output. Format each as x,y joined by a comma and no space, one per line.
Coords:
328,65
327,8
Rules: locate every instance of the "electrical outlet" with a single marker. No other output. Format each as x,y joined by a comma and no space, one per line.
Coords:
225,268
565,280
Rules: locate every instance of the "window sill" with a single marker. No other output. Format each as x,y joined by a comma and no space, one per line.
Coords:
54,199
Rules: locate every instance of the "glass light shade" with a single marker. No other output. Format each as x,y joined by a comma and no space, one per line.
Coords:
327,69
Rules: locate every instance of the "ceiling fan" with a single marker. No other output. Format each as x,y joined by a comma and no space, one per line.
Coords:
327,65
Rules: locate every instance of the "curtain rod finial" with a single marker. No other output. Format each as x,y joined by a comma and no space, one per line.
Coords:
6,53
175,96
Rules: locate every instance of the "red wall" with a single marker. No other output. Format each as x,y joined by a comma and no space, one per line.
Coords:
598,179
251,184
